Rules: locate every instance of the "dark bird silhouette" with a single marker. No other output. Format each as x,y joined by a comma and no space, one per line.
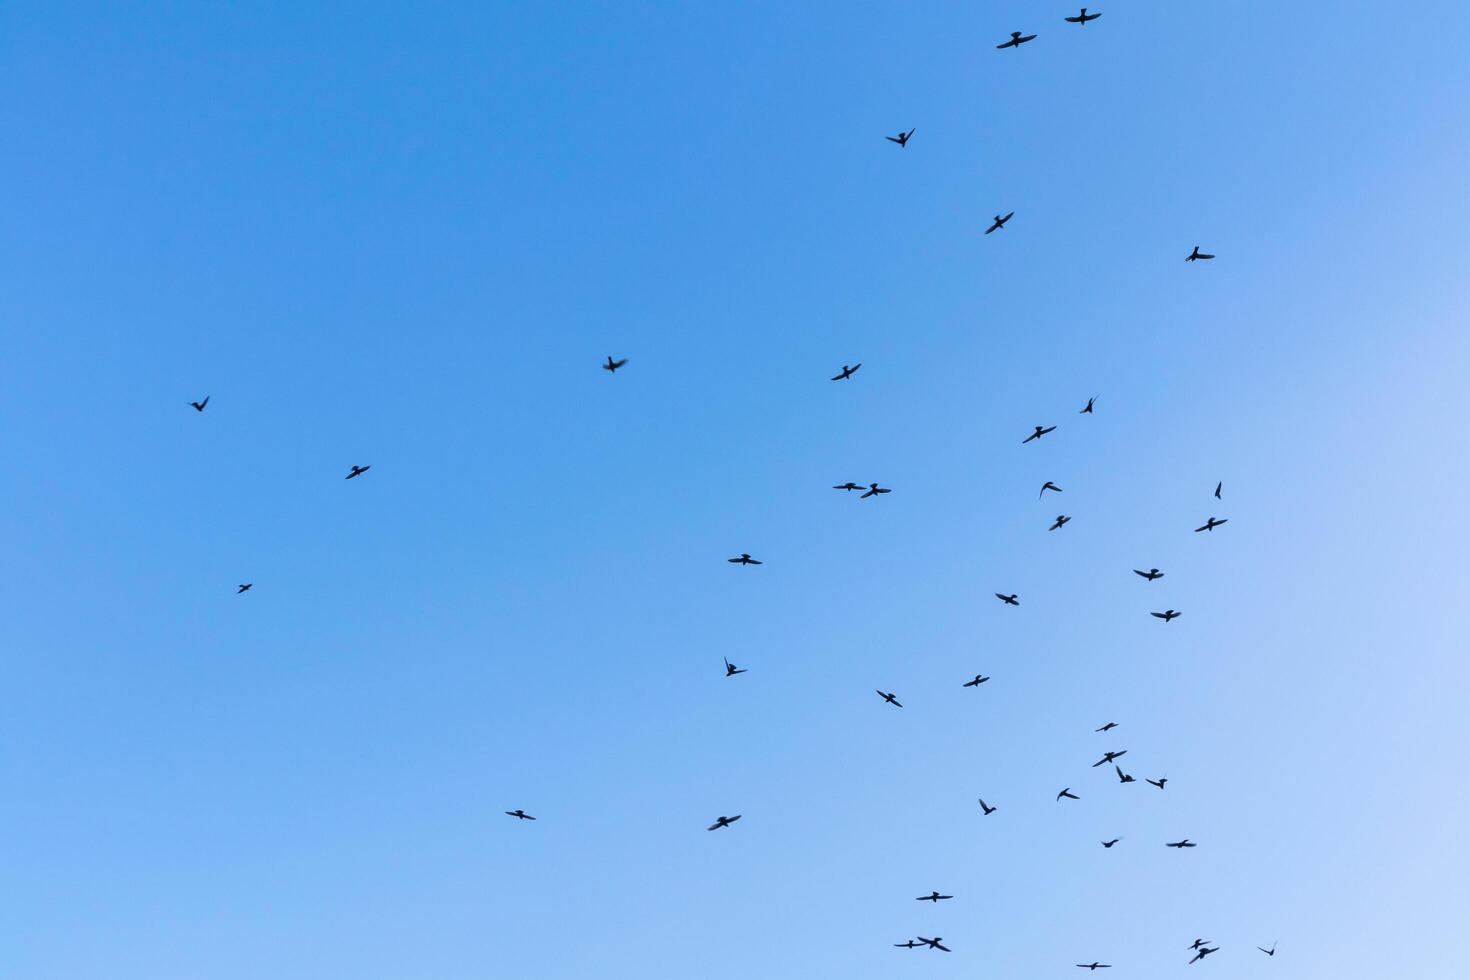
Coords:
987,810
611,366
1205,951
1094,965
1157,782
1211,524
1068,794
848,486
847,372
933,943
1000,222
902,139
890,698
1123,777
1009,600
874,490
1198,943
723,822
934,897
199,406
1218,487
908,945
1110,843
731,670
1017,39
1186,842
1167,615
1061,519
1087,410
1107,728
1268,952
519,814
1040,431
357,471
245,587
1082,18
1197,254
1151,574
744,559
979,679
1108,757
1048,485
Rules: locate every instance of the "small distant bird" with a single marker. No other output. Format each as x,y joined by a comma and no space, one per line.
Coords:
847,372
357,471
934,943
519,814
1218,487
245,587
1040,431
1110,843
1157,782
908,945
1095,966
1151,574
1268,952
987,810
1211,524
1000,222
1205,951
1186,842
1048,485
611,366
1198,943
1108,757
874,490
1009,600
1107,728
1123,777
979,679
890,698
744,559
934,897
1088,409
1068,794
849,485
731,670
1082,18
1197,254
1167,615
723,822
199,406
1061,519
902,139
1017,39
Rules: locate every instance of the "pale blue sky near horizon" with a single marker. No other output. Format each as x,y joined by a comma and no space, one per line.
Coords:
407,235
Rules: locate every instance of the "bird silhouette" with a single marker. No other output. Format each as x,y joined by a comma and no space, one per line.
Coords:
744,559
987,810
908,945
1157,782
1151,574
1082,18
731,670
934,897
199,406
1040,431
519,814
1095,966
1205,951
902,139
1268,952
890,698
1087,410
1108,757
1068,794
1167,615
1110,843
847,372
1017,39
611,366
1186,842
1009,600
1048,485
933,943
1107,728
848,486
1198,943
357,471
723,822
1211,524
874,490
1218,487
1197,254
1123,777
1000,222
979,679
1061,519
245,587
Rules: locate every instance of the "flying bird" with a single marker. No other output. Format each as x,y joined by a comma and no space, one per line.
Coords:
849,485
934,943
1110,843
723,822
874,490
1211,524
1167,615
1186,842
1048,485
1108,757
199,406
611,366
1009,600
744,559
1151,574
999,222
1107,728
1017,39
1268,952
1095,966
847,372
1040,431
934,897
979,679
245,587
1218,487
1082,18
357,471
1123,777
1205,951
902,139
1157,782
1061,519
1088,409
731,670
987,810
1197,254
890,698
519,814
908,945
1068,794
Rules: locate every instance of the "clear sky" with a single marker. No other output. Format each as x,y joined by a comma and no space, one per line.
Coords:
406,234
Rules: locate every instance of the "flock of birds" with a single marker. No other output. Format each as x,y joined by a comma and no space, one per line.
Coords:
1201,948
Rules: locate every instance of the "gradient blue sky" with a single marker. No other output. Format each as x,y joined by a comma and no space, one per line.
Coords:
406,234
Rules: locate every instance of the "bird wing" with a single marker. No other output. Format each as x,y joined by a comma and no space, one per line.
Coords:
894,139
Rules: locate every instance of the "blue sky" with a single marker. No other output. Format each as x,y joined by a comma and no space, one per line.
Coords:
406,235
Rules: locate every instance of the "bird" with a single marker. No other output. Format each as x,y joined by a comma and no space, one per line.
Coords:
1082,18
902,139
890,698
1108,757
979,679
1061,519
1009,600
1218,487
1151,574
1179,844
1205,951
744,559
847,372
1068,794
731,670
908,945
1211,524
519,814
874,490
999,222
1157,782
987,810
849,485
1198,943
934,897
611,366
1087,410
1040,431
1017,39
1123,777
1107,728
1048,485
934,943
1268,952
1167,615
1094,965
245,587
1110,843
1197,254
723,822
357,471
199,406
